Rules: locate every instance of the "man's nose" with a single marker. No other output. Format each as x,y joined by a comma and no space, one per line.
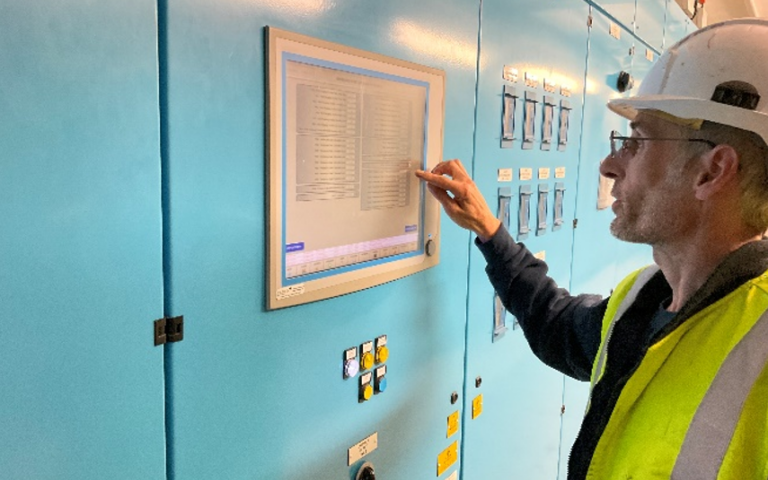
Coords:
609,167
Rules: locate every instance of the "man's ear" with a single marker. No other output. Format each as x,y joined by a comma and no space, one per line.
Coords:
719,169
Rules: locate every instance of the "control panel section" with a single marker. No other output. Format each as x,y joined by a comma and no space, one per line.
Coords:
367,363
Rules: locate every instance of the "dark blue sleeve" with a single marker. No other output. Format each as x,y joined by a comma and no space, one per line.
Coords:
562,330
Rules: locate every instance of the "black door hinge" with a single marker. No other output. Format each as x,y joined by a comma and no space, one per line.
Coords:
575,222
169,330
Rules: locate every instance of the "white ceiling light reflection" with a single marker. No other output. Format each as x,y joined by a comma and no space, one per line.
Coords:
299,7
440,46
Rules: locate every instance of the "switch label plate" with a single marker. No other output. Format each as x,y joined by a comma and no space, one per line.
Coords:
363,448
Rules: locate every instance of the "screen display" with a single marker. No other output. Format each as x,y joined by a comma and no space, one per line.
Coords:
351,142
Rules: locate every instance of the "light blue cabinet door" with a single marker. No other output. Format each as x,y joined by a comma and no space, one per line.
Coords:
81,382
518,433
623,11
649,24
596,253
258,394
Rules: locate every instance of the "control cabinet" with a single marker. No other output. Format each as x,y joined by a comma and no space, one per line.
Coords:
133,189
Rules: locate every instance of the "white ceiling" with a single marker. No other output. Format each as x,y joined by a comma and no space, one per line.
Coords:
718,10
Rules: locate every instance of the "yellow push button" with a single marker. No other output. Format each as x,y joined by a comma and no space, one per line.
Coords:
366,361
367,392
382,354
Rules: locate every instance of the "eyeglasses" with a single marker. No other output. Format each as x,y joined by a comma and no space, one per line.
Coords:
621,145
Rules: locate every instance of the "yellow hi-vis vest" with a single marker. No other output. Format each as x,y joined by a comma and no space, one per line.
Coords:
696,408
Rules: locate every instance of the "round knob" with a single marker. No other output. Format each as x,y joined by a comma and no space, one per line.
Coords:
382,354
381,385
625,82
366,361
351,367
366,472
367,392
430,247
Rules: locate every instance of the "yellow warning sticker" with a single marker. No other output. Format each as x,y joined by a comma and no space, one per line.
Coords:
453,424
447,458
477,406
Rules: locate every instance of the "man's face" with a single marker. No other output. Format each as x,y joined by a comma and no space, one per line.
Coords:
653,188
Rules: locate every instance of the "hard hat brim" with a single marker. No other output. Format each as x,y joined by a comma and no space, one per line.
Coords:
693,109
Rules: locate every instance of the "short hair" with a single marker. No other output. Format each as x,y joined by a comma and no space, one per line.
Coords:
753,169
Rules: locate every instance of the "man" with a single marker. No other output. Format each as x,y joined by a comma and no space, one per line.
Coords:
677,355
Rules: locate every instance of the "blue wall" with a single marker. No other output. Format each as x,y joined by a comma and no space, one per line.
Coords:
132,187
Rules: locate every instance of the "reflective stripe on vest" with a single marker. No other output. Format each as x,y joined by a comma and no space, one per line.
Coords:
640,282
716,418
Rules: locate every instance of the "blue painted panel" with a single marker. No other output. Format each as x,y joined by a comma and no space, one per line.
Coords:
260,394
622,11
596,253
677,25
81,276
593,270
649,23
518,433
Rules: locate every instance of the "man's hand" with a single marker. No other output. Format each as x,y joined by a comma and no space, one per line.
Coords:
454,189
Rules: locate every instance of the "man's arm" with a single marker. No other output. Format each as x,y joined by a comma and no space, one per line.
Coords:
562,330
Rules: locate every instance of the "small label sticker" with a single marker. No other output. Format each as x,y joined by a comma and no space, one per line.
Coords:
526,173
542,255
649,54
350,353
614,31
560,172
509,74
363,448
365,378
453,476
288,292
531,80
565,90
366,347
544,173
505,175
381,341
550,85
381,371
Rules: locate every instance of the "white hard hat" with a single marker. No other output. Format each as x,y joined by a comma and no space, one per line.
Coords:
718,73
